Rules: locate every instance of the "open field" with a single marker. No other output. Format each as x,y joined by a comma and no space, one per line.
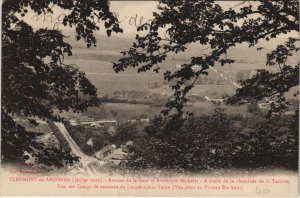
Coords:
126,111
96,62
122,111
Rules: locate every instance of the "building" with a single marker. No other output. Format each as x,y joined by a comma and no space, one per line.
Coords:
118,157
105,151
101,123
118,154
84,120
73,122
145,120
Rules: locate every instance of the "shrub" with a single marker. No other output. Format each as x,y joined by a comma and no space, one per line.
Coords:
210,141
192,143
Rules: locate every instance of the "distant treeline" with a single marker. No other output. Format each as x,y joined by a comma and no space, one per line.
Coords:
98,56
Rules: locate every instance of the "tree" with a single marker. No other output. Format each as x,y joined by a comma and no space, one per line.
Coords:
190,144
180,23
36,82
212,141
253,108
268,84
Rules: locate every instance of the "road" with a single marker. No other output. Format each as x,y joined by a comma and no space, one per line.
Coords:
87,161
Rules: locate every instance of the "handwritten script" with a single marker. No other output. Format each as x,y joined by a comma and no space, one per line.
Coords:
57,21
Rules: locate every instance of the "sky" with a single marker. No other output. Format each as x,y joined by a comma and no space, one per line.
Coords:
131,14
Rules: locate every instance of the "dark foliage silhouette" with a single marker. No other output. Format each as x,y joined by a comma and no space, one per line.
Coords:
211,142
36,82
180,23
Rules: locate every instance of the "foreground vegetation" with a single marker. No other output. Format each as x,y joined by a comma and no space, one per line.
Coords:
210,142
194,143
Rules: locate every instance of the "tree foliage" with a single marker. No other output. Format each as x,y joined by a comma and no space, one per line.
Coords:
89,140
212,142
271,84
36,82
180,23
192,143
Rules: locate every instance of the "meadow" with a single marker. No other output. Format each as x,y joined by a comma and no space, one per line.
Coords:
97,63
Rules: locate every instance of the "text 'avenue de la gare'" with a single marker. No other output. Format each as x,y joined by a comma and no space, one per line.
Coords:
146,180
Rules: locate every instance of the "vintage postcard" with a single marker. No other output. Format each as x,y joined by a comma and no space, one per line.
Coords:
182,98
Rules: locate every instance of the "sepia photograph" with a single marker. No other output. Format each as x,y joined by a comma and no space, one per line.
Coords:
150,98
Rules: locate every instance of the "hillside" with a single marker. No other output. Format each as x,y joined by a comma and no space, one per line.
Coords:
97,63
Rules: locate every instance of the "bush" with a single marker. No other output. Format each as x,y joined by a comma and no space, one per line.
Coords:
191,144
210,141
128,132
82,135
273,143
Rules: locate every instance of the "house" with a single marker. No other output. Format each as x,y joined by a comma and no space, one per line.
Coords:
118,157
100,123
95,125
145,120
129,143
125,146
206,98
73,122
106,122
85,121
118,154
105,151
132,121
